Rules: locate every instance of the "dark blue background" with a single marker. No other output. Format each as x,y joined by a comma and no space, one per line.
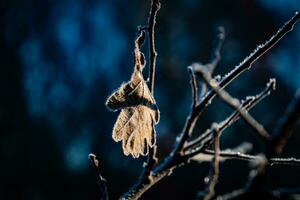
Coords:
61,59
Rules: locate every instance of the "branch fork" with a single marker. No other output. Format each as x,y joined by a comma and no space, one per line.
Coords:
187,149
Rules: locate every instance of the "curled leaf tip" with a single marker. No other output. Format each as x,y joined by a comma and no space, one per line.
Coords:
139,57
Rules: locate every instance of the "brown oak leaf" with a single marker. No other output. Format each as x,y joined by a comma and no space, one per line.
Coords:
139,113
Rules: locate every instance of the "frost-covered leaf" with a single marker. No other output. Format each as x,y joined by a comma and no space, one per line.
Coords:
135,127
132,93
139,113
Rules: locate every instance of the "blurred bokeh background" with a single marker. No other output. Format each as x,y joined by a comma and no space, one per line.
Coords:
61,59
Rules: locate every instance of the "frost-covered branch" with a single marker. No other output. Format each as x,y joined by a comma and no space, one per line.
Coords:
247,104
281,135
192,118
194,85
155,6
232,102
247,62
230,154
209,192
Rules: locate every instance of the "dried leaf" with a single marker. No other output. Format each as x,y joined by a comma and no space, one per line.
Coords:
139,113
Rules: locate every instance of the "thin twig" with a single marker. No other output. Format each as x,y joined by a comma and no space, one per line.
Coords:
232,102
155,6
247,104
194,88
282,133
284,161
207,154
214,174
247,63
172,161
192,118
225,155
199,144
101,181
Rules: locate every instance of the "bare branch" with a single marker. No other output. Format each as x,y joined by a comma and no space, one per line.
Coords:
282,134
232,102
225,155
199,144
101,181
174,161
207,155
247,63
284,161
246,105
192,118
194,88
155,6
187,131
214,172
